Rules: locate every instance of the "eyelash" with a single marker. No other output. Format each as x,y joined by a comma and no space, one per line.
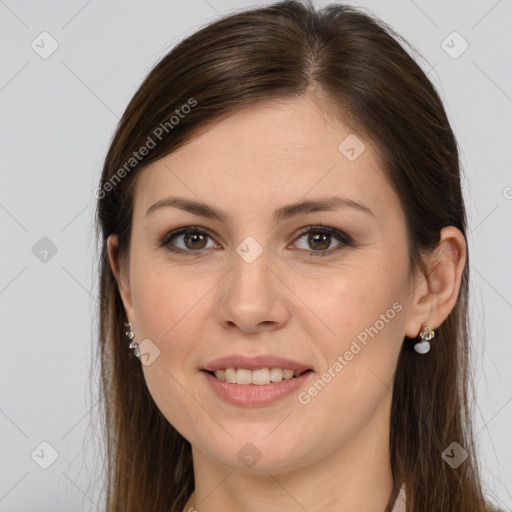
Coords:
343,238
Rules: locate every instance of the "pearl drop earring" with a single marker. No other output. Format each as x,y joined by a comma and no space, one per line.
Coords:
423,346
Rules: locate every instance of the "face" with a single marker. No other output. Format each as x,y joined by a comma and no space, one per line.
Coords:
320,290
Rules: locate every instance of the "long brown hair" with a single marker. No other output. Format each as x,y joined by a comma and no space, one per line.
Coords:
362,71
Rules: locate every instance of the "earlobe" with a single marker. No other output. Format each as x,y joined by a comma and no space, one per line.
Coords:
435,296
119,274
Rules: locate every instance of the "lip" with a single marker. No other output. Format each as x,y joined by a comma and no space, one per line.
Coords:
255,362
252,395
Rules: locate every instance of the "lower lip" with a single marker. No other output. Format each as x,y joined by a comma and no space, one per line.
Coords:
252,395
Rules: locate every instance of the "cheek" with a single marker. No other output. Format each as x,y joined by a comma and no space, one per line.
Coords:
363,315
167,301
169,313
360,301
360,360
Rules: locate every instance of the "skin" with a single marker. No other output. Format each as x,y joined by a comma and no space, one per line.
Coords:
331,453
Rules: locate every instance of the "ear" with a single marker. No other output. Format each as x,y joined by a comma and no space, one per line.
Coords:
121,275
435,294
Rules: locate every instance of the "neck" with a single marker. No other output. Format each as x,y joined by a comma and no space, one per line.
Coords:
353,476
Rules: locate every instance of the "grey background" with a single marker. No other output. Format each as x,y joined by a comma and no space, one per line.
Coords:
57,117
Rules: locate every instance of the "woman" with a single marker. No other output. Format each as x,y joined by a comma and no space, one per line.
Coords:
284,252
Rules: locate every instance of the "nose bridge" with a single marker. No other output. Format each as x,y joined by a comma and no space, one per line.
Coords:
251,294
250,275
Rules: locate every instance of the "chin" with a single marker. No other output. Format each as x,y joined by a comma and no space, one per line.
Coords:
259,453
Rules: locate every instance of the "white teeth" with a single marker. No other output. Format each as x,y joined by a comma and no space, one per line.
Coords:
243,376
258,377
276,374
288,374
230,375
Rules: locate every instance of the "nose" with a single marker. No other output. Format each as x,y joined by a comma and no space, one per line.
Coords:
253,296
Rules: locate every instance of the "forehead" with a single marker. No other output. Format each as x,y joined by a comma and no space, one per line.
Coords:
272,152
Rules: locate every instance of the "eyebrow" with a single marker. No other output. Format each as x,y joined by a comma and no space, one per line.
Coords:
283,213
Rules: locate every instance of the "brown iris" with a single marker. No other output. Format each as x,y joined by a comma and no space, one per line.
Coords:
195,238
320,238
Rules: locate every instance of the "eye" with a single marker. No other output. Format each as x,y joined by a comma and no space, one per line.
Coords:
320,238
192,239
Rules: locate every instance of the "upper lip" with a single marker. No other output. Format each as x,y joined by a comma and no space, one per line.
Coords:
255,362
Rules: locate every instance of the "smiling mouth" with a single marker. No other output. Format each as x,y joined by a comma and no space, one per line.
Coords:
259,377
